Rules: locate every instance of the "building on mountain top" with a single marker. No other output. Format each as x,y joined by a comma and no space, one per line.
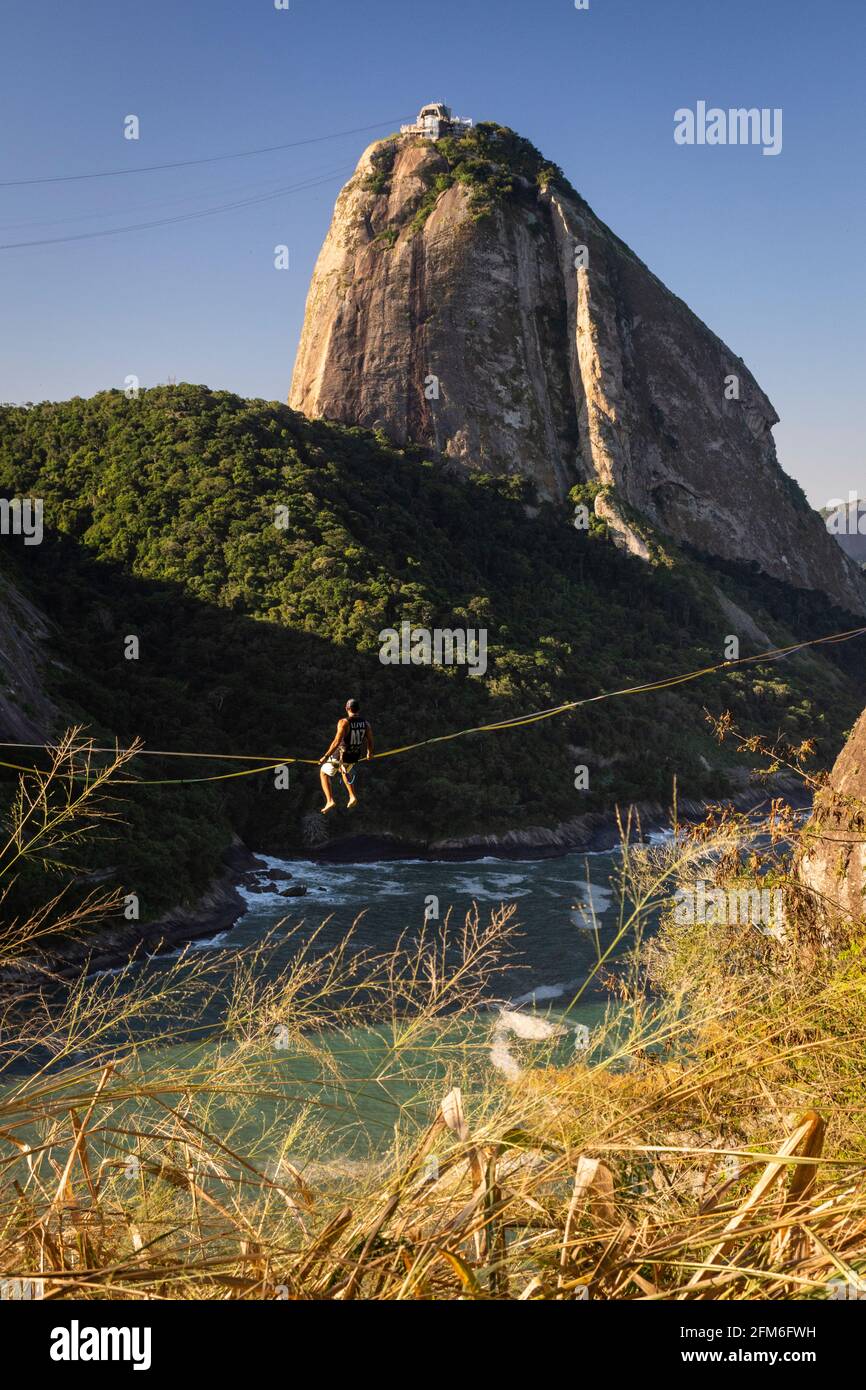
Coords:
436,120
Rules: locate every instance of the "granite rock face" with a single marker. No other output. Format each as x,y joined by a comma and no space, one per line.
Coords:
832,865
531,340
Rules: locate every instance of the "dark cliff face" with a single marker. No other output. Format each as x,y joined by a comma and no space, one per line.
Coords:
530,339
26,712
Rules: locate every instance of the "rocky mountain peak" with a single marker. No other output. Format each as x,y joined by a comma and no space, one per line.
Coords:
468,300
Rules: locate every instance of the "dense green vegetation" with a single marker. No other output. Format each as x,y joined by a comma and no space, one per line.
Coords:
163,522
492,160
494,163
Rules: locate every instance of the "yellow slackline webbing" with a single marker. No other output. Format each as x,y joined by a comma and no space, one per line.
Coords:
163,781
517,722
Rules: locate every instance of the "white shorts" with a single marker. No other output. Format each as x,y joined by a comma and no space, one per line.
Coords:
330,767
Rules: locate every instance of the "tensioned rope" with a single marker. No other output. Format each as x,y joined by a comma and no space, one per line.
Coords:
270,763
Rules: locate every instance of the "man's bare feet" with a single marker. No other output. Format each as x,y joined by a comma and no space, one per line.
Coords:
329,806
350,804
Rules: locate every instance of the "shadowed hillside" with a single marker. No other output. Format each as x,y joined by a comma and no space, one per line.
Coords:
160,524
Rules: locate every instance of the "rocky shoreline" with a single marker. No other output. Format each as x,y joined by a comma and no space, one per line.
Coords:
218,909
592,833
222,906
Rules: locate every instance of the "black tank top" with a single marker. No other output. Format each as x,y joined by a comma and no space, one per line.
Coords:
354,740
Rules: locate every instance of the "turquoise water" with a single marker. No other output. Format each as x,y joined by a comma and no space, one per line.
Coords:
566,911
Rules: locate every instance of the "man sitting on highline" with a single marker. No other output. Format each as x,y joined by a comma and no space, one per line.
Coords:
352,742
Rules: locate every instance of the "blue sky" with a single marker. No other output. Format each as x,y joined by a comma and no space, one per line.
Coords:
768,251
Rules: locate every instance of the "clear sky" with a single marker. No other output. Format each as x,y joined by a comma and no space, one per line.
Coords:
768,251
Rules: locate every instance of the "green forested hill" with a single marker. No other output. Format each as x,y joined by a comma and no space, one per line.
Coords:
160,523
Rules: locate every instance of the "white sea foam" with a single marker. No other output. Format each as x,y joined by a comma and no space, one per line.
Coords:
351,884
535,996
511,1023
489,887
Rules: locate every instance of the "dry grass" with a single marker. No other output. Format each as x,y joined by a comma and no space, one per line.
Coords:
710,1144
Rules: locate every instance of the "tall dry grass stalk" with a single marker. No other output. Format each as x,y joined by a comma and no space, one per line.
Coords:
333,1126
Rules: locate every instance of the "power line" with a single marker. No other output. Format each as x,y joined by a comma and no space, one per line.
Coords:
151,205
183,217
187,163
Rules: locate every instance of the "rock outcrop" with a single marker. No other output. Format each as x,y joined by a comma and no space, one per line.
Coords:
117,942
832,863
26,712
508,329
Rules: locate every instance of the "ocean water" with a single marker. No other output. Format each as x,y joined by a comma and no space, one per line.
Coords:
566,910
566,913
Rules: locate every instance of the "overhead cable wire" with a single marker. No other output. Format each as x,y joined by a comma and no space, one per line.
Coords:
189,163
181,217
